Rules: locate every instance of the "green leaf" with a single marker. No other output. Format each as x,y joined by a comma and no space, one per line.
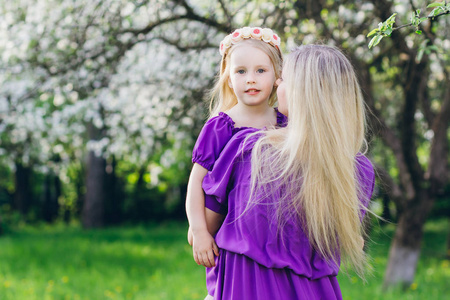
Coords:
436,4
388,31
435,12
375,41
373,32
422,19
419,31
372,41
391,19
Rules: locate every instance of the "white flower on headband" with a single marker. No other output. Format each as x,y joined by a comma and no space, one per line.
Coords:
225,44
267,35
246,32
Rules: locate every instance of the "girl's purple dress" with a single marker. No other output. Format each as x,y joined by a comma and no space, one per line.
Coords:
258,261
215,134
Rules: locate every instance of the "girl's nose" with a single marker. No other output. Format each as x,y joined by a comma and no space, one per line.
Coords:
250,79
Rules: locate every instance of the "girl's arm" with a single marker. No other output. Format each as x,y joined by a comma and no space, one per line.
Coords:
203,245
213,221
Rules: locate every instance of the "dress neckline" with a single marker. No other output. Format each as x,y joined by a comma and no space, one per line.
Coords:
281,121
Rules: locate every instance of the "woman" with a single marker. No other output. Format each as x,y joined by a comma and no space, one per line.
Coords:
292,199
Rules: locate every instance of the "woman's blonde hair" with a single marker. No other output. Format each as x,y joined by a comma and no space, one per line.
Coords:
312,160
222,97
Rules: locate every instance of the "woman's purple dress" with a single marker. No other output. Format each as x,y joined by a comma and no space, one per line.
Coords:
258,261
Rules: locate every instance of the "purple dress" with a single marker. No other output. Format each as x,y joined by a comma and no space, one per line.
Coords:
215,134
257,261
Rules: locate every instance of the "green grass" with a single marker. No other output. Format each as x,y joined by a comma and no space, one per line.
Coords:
118,263
432,280
154,262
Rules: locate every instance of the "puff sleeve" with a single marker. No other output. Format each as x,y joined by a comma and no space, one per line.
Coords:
213,137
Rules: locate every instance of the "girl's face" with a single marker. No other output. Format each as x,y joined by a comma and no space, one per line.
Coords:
252,76
281,95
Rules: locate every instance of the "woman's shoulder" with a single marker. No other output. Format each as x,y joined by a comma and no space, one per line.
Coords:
364,164
366,174
281,119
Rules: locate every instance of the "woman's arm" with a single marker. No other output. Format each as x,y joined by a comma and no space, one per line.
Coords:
203,245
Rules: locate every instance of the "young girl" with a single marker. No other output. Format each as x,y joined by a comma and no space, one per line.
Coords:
293,198
242,98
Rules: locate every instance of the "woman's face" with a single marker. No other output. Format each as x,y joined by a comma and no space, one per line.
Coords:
281,94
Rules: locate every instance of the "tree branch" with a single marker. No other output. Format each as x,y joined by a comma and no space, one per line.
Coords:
191,15
188,47
429,18
226,12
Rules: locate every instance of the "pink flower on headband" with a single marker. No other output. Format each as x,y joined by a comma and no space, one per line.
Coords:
256,33
236,36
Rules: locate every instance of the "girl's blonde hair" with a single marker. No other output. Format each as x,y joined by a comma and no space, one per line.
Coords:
312,160
222,97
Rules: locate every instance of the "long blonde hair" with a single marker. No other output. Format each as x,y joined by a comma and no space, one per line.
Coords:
313,158
222,97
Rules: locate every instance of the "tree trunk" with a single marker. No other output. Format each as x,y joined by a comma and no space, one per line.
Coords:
405,248
115,195
52,191
93,208
23,193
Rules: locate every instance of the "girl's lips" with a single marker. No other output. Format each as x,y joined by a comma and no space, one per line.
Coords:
252,92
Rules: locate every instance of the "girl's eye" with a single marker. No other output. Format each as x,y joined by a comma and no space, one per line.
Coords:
261,70
240,71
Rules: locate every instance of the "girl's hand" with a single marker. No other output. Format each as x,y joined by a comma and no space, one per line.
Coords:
204,248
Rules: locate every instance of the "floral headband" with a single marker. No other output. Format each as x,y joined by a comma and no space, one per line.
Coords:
257,33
